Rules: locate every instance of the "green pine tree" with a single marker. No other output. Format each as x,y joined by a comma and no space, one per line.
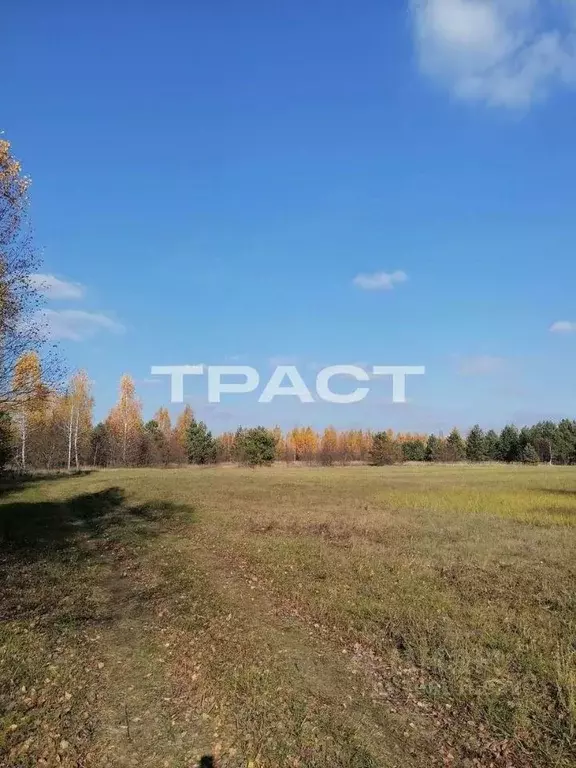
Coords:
509,444
200,443
544,436
476,449
414,450
565,444
455,446
529,455
385,450
491,446
255,447
433,449
154,448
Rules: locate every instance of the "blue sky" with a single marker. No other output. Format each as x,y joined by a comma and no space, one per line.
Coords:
210,179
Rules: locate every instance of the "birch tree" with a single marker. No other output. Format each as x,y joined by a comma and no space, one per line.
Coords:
79,404
125,423
162,418
31,398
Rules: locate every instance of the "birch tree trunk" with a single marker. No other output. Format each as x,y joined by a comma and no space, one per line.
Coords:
23,453
70,436
76,440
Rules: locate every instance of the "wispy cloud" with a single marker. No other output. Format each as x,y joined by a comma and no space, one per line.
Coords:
380,281
506,53
76,324
54,288
563,326
480,365
71,324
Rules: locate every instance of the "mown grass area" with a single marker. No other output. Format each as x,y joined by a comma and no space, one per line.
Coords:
360,616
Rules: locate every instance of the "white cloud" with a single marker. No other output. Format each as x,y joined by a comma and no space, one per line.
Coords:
502,52
76,324
380,281
563,326
480,365
54,288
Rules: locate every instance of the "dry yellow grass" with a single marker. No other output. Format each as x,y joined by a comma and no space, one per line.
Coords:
409,616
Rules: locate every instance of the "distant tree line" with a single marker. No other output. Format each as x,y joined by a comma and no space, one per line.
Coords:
53,428
546,442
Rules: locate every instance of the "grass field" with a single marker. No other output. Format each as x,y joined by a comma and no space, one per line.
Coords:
362,616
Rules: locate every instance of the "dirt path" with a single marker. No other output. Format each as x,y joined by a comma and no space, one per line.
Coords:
198,661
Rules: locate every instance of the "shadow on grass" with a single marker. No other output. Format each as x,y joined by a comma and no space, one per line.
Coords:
48,550
50,526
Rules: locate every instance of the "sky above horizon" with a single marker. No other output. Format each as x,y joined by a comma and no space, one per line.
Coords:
383,183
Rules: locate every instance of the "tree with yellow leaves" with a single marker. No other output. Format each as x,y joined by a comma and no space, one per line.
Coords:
31,400
79,403
225,447
125,423
367,442
289,448
180,434
279,442
355,442
162,418
329,446
344,447
308,444
20,321
160,439
50,442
